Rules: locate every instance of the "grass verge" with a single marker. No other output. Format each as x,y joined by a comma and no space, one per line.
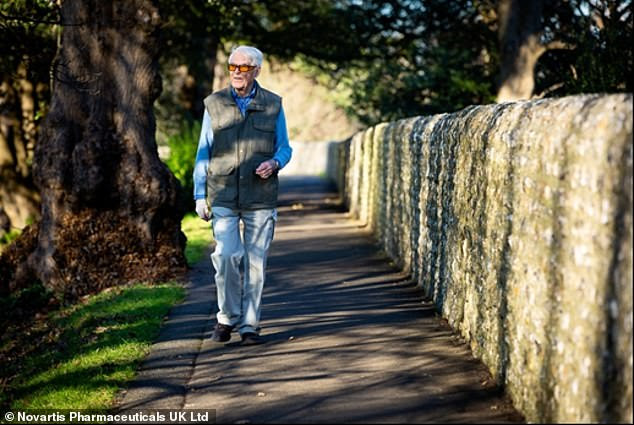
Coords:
80,356
199,237
91,349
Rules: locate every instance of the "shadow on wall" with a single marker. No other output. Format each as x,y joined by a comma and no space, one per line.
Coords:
516,220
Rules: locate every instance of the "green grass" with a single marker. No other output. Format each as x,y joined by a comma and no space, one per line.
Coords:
80,356
93,348
199,237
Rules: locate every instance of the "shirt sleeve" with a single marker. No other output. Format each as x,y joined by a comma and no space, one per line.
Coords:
283,150
203,154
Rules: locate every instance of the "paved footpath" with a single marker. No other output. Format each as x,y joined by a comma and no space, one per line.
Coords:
348,338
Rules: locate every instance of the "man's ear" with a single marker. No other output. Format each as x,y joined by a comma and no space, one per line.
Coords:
257,71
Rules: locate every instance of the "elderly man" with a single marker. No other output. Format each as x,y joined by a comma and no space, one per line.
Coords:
243,144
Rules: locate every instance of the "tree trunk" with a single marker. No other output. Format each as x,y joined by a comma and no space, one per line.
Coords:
201,80
109,205
190,79
519,29
19,198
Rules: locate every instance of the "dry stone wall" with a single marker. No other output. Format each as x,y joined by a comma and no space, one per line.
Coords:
516,220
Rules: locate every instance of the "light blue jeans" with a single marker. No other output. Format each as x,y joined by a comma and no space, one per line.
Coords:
239,300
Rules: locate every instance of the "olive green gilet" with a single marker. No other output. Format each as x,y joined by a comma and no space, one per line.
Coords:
240,145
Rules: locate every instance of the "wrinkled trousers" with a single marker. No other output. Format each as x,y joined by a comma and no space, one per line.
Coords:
239,290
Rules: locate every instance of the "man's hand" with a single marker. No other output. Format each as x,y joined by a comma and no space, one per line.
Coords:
202,209
266,169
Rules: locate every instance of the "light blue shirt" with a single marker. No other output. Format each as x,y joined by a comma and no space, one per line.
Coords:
283,151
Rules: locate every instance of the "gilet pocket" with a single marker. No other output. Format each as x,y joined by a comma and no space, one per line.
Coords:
221,181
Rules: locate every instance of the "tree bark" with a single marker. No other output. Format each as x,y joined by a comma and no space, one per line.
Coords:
18,195
191,78
520,24
201,80
109,205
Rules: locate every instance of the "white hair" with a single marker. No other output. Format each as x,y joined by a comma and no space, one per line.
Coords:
254,54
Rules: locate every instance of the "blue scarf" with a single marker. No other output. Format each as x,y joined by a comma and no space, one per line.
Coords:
243,102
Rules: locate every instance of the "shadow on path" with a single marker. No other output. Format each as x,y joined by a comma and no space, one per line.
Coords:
348,338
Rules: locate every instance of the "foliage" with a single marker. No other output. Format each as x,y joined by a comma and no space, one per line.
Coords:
391,58
413,58
199,237
598,57
9,237
182,156
83,354
324,30
190,31
404,58
193,31
28,31
422,58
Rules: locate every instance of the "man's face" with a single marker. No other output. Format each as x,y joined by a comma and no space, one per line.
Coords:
242,81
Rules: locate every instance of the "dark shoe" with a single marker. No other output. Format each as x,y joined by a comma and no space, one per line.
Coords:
222,333
251,338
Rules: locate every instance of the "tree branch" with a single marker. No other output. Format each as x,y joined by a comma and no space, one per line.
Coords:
28,19
547,91
554,45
